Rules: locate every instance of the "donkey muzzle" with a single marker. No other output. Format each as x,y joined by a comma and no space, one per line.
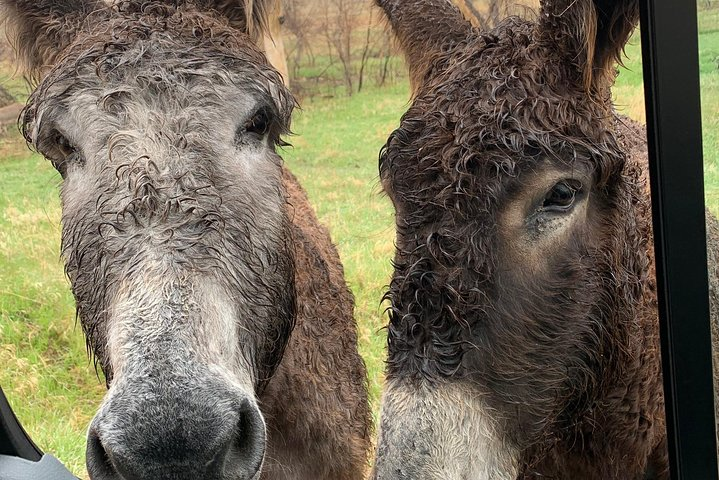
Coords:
190,433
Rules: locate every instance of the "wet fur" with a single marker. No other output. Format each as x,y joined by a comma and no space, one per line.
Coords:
315,402
314,419
55,24
309,379
565,351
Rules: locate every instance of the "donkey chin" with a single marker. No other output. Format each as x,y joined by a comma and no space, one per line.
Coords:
437,432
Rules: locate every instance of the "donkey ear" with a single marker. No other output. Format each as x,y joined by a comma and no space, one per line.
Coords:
249,16
424,28
39,30
590,32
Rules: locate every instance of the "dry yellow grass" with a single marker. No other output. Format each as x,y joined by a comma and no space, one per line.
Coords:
629,101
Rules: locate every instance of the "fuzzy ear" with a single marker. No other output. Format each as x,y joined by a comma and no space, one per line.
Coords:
592,33
424,28
39,30
249,16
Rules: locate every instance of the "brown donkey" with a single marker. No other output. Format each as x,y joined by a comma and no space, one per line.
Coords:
210,295
523,335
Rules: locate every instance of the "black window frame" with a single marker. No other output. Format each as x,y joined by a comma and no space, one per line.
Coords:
670,56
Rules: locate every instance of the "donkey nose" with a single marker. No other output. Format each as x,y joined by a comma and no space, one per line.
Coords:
125,445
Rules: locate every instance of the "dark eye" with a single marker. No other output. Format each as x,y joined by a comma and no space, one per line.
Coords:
259,124
60,151
562,195
64,146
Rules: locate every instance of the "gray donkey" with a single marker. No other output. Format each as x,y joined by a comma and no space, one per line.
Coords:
523,336
211,297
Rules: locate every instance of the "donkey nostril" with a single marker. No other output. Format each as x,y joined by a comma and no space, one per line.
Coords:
248,448
99,465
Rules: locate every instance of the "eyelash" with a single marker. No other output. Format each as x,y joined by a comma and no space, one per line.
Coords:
59,150
259,124
562,196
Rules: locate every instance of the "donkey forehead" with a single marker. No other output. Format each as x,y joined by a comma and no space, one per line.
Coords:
151,88
505,83
151,70
499,105
178,57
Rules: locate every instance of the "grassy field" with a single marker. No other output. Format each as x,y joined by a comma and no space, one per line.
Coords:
45,370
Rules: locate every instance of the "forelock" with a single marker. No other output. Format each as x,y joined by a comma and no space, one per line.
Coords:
175,46
500,98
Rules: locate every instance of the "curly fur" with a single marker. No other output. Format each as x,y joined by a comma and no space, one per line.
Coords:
564,349
591,33
40,31
36,29
174,218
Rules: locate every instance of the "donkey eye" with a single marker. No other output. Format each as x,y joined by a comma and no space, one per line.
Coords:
259,124
64,147
60,151
562,195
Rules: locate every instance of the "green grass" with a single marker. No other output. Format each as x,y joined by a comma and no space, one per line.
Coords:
45,368
709,71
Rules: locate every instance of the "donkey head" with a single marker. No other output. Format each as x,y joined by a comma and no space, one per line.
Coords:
517,258
162,119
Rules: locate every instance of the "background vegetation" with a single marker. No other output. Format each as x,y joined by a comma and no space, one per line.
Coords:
342,46
43,364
